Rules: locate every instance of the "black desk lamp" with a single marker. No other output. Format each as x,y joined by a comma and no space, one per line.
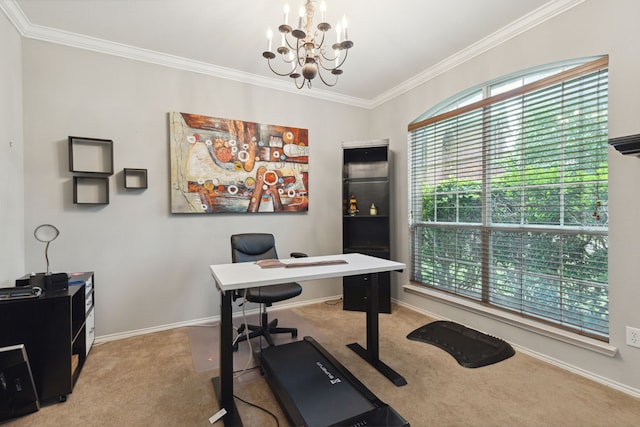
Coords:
46,233
48,281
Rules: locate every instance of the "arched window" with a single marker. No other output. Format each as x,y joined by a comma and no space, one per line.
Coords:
508,195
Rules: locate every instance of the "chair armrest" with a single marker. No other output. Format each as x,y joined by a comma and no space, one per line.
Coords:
298,255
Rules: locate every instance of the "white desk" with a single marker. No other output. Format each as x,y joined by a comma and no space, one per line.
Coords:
231,277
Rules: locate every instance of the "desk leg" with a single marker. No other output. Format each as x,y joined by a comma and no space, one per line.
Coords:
223,385
372,353
373,329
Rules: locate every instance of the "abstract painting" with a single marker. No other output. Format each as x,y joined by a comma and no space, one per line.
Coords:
225,165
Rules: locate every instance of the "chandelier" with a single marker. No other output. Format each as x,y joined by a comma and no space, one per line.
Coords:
304,49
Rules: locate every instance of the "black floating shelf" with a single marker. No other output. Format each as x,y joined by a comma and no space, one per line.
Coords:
88,190
91,156
626,144
135,178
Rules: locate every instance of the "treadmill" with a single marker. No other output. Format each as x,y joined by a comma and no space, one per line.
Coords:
314,389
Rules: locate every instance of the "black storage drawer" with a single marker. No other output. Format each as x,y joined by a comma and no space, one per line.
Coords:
355,290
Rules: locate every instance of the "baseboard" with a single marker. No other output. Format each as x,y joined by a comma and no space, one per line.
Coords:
542,357
215,319
579,371
206,320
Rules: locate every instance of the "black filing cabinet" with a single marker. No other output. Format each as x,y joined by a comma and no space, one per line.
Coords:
366,216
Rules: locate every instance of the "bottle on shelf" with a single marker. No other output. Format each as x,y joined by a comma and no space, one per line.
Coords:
353,206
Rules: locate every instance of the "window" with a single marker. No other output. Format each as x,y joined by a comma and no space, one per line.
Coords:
508,196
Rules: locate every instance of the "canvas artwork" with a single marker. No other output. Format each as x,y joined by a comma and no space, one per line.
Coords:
225,165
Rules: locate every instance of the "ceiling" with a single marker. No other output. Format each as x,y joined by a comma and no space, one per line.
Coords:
397,44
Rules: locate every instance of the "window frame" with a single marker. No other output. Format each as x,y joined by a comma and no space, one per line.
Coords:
441,113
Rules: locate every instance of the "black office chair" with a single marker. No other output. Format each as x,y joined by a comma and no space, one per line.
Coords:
251,247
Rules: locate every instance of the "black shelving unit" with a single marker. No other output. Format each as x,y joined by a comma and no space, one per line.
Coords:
365,178
57,330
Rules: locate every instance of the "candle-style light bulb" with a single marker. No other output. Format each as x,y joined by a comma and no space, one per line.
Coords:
338,31
344,25
269,38
286,14
301,13
337,53
323,11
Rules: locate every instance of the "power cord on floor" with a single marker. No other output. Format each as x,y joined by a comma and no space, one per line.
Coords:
246,331
243,370
334,302
260,408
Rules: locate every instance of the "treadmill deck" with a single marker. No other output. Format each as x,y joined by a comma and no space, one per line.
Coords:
314,389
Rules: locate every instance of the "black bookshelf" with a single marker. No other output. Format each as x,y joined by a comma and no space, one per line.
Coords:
366,217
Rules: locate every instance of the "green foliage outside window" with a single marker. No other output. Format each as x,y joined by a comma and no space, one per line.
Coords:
532,236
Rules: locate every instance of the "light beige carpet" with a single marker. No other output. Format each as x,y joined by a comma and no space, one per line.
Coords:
205,340
151,381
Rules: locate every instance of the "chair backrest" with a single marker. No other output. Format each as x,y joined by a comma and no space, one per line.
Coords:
252,247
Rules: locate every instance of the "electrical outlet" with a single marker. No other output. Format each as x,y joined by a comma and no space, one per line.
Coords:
633,337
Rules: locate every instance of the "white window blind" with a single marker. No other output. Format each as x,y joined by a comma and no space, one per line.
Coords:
508,200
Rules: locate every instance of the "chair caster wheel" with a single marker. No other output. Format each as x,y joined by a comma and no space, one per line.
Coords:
294,334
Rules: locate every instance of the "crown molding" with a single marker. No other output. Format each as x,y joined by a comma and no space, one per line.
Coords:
532,19
38,32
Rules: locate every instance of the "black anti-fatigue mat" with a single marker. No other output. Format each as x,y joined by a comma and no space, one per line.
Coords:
472,349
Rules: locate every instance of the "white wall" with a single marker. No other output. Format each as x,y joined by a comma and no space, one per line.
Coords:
151,266
593,28
11,156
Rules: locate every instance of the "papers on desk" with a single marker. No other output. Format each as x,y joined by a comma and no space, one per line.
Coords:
315,263
269,263
273,263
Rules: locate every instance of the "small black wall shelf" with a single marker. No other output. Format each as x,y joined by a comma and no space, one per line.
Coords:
90,155
89,190
135,178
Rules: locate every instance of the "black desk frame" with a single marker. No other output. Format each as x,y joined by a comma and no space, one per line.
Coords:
223,385
372,353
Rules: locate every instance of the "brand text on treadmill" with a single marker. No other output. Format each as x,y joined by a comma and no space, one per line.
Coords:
332,378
